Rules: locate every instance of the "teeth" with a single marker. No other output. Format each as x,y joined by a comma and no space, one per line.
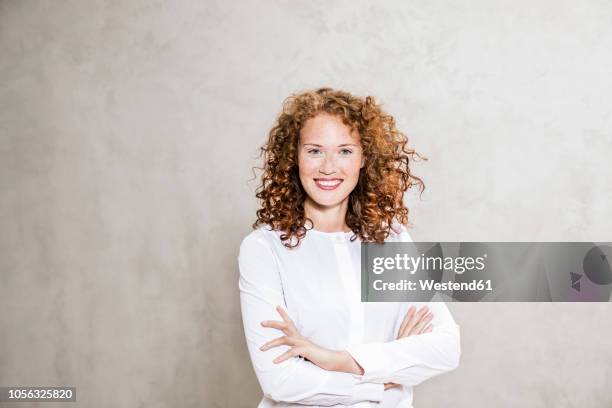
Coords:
328,183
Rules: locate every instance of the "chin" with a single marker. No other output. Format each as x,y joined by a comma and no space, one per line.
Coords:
328,203
324,200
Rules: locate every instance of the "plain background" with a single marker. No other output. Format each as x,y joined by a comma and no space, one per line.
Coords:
128,130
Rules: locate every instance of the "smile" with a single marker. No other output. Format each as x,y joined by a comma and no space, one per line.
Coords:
328,184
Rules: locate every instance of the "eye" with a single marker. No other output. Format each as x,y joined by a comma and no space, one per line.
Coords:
345,152
314,151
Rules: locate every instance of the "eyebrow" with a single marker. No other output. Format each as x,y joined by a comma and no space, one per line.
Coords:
340,145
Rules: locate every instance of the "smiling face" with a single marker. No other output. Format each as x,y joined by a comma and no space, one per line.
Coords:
329,159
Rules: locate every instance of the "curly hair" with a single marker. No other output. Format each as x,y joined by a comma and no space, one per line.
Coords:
377,200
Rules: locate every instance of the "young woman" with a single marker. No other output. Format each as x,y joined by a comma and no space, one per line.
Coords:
335,172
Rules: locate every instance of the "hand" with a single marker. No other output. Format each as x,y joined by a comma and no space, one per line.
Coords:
391,385
415,323
300,346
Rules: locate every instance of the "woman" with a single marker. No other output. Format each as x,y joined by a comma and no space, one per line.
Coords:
335,172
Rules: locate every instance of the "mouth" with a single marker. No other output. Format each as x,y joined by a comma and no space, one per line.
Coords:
328,184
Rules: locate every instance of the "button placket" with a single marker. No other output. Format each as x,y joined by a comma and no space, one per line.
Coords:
351,289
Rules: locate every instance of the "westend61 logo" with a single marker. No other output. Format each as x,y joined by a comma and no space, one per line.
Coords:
486,272
411,264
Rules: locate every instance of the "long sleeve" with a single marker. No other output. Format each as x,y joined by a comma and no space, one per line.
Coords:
294,380
414,359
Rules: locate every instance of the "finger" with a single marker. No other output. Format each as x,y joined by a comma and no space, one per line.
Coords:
287,354
277,342
427,329
414,320
422,323
284,314
275,324
290,330
407,317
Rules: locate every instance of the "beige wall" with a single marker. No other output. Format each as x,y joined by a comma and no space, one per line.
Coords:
127,133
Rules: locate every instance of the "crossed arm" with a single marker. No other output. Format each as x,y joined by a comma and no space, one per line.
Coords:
414,323
361,373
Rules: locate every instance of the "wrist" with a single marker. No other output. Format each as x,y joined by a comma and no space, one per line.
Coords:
347,363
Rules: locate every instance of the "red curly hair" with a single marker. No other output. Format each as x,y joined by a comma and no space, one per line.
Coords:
377,200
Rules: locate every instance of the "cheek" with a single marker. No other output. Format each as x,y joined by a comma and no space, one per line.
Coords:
352,168
306,166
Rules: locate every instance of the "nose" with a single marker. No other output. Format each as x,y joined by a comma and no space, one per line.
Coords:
327,167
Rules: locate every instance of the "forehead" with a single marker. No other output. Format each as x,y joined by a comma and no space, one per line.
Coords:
327,129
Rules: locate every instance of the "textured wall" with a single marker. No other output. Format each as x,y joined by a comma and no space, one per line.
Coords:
127,133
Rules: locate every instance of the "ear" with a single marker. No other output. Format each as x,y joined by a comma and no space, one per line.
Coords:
363,160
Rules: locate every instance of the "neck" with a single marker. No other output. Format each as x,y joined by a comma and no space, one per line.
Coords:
327,219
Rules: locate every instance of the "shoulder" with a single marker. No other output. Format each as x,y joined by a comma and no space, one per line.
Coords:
260,237
399,233
263,239
257,258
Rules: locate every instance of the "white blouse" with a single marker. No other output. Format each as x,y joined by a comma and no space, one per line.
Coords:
318,284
